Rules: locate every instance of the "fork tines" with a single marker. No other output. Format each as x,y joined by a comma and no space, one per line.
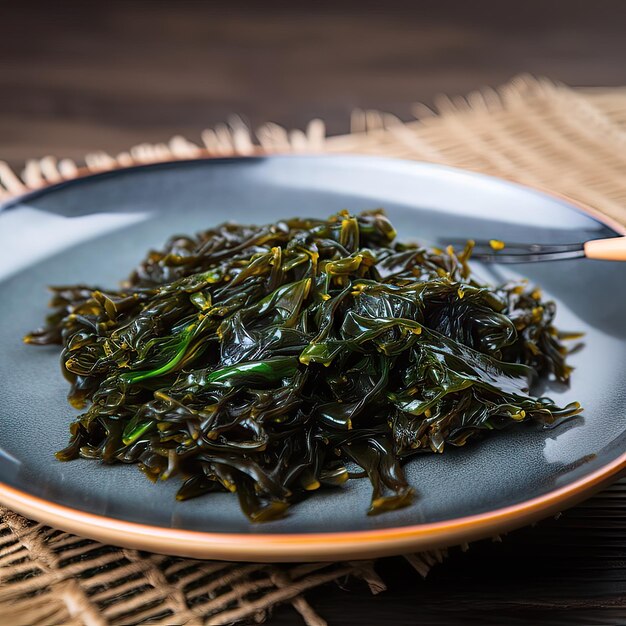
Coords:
521,252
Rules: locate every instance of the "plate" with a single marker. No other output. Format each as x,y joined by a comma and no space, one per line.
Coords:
96,228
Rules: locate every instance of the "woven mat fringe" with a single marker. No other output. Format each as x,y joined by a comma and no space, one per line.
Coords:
51,577
530,130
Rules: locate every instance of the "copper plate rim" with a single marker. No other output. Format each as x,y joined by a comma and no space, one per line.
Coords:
318,546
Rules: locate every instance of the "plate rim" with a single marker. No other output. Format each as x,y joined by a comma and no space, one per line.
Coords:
274,547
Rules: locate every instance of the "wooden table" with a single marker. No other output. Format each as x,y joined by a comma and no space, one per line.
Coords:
78,77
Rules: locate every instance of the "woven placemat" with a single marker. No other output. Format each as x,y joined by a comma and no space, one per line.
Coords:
532,131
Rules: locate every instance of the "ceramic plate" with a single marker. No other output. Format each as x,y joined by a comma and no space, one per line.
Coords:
96,228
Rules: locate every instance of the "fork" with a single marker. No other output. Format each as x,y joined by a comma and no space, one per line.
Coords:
612,249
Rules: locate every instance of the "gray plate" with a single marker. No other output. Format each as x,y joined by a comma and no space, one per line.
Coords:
96,229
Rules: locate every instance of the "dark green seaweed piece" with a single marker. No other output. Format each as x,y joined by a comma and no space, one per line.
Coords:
266,360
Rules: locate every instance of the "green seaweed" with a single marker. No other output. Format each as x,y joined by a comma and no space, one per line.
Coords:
270,360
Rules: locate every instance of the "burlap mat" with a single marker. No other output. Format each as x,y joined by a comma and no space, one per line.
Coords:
532,131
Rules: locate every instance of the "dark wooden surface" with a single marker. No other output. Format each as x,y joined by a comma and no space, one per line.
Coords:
80,77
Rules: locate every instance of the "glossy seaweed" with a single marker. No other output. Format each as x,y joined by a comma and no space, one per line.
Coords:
272,361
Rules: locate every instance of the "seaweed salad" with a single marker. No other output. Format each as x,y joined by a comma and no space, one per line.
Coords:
272,361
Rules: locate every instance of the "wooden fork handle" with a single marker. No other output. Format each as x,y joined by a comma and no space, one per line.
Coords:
613,249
